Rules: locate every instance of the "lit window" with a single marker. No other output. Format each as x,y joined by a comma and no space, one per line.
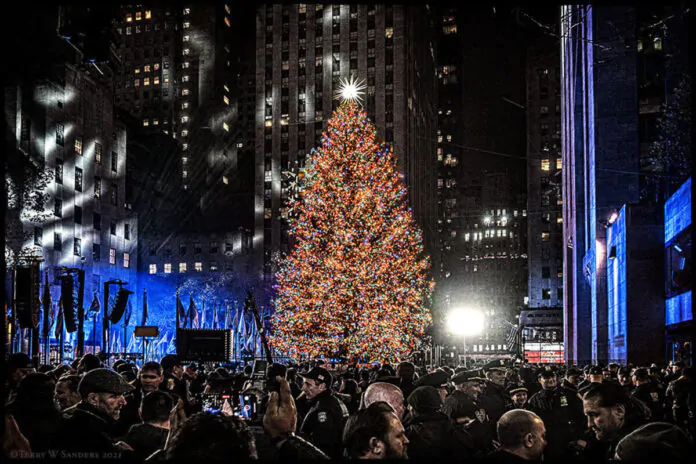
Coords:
146,122
545,236
185,92
227,89
226,100
186,51
138,16
165,79
184,105
137,71
184,174
168,268
449,29
657,43
156,80
153,269
559,201
148,14
559,220
155,122
544,109
185,78
137,83
640,45
126,259
182,267
146,81
184,133
146,68
227,22
225,126
449,138
269,123
184,147
185,65
466,237
389,32
199,267
78,145
187,25
545,165
439,139
187,38
184,119
187,11
128,31
156,66
112,256
227,9
129,18
225,180
559,163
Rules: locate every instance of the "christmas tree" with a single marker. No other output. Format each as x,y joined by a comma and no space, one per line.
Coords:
355,282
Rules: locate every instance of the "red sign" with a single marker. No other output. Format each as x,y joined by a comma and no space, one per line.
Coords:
542,356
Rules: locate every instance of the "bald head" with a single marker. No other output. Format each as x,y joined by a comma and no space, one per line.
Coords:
387,392
523,433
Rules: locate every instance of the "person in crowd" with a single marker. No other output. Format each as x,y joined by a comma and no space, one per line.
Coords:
194,377
674,371
625,379
518,395
151,434
561,412
350,394
19,365
387,392
87,363
572,380
375,433
594,376
61,370
655,442
647,392
522,437
614,371
429,431
406,372
656,378
472,435
66,395
36,413
324,421
529,379
438,379
90,429
468,383
611,414
295,387
494,399
680,397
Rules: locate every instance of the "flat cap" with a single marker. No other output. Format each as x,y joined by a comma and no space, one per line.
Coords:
435,379
467,376
500,365
103,380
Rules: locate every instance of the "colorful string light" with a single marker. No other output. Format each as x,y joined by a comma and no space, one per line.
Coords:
355,283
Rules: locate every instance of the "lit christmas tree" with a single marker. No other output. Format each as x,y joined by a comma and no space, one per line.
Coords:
355,282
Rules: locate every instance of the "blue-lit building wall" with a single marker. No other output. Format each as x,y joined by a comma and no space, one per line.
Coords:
678,262
616,288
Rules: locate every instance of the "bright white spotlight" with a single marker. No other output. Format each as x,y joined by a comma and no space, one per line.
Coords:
350,90
466,321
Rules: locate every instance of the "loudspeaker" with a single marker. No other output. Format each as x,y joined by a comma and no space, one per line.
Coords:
23,297
119,305
204,345
70,298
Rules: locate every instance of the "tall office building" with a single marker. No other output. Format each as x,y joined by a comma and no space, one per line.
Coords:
544,196
614,73
302,52
482,215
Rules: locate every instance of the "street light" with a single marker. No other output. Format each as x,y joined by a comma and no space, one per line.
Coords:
465,322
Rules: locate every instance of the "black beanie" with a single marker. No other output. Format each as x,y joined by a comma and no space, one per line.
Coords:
425,399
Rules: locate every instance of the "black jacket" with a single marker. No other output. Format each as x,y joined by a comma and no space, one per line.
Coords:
433,438
324,422
503,456
41,425
653,399
495,401
89,433
562,413
145,439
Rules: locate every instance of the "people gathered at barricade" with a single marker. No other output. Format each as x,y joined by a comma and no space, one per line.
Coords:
504,410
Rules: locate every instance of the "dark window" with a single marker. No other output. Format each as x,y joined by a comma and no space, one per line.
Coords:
57,242
112,228
182,249
197,248
96,253
59,171
58,208
114,194
114,161
97,187
545,272
545,293
213,247
38,236
126,231
78,215
60,134
228,247
77,247
78,179
96,221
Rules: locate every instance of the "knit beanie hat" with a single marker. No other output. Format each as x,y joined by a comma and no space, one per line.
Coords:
657,440
425,399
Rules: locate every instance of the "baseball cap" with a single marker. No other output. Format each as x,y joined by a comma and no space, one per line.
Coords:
319,374
103,380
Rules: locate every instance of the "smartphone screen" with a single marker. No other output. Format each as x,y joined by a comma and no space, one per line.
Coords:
247,408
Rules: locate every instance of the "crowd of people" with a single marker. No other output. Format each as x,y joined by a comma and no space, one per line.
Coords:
502,411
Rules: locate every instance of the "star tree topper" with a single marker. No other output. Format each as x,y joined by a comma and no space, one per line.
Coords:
350,90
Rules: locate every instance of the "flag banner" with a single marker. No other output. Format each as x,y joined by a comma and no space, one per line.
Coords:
193,313
59,321
182,312
143,321
95,307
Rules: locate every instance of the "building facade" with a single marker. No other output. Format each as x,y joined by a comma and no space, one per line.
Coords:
302,53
